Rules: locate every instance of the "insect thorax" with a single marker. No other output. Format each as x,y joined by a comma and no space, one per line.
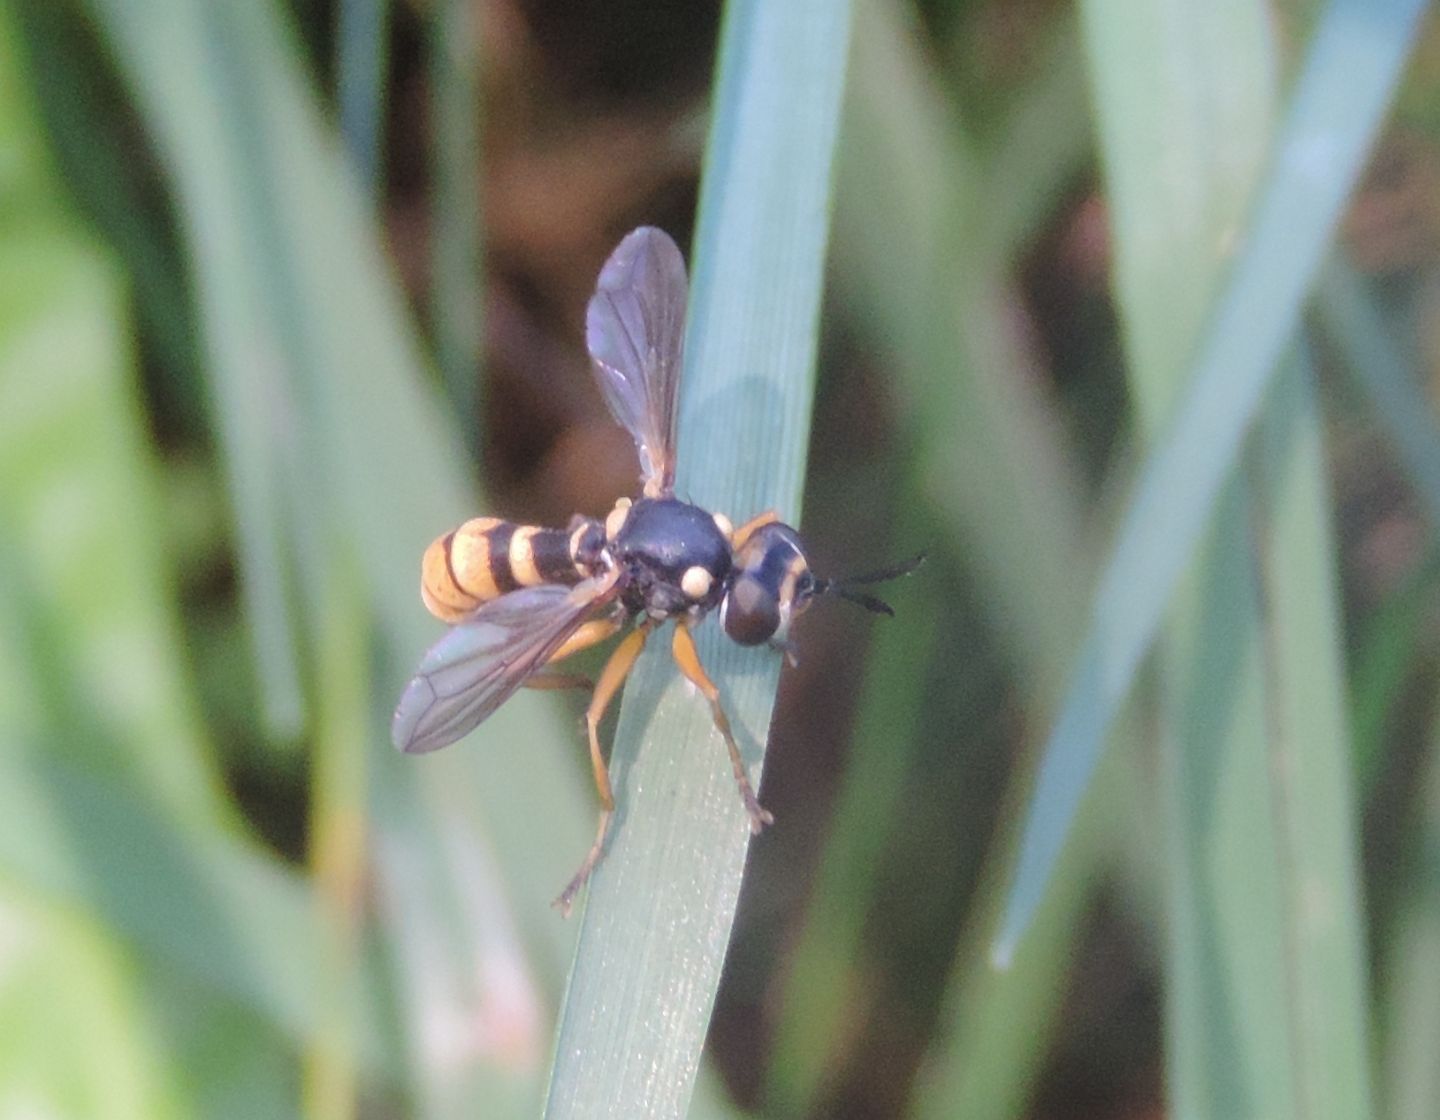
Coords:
672,557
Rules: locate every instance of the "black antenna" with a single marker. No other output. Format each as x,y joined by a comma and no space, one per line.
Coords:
869,602
845,588
884,575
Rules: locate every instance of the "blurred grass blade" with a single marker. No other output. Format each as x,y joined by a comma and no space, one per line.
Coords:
1389,376
251,401
71,1003
93,700
1185,103
206,905
1411,971
362,56
1352,67
338,858
1000,1023
1042,145
661,905
1225,943
77,483
453,48
1386,654
1186,98
79,100
1327,1008
915,236
304,327
907,251
821,990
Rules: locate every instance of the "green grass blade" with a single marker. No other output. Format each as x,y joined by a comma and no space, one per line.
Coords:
1043,145
205,905
1186,99
661,904
1386,653
1411,973
246,407
1389,377
915,240
70,1003
94,708
1311,760
79,101
453,50
1226,1027
907,250
338,859
304,326
824,979
1352,67
77,484
83,588
362,52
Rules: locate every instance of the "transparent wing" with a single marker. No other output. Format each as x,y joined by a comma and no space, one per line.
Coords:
635,329
478,664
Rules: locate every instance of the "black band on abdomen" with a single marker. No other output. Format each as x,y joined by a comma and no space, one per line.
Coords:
499,538
551,551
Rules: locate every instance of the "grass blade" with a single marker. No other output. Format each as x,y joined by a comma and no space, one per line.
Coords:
455,298
1352,67
1411,979
821,988
1043,144
1327,1005
304,326
77,98
330,1089
1383,666
129,901
1373,356
205,905
924,260
661,904
361,55
1186,99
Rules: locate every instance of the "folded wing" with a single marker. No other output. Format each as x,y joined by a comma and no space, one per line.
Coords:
479,663
635,330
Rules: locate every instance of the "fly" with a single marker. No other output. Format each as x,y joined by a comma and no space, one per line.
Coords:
521,597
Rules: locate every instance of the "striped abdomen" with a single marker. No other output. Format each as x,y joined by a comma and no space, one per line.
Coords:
487,557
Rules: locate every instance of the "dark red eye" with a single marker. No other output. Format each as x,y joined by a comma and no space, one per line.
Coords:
749,613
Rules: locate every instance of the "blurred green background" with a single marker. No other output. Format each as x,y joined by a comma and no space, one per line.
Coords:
288,288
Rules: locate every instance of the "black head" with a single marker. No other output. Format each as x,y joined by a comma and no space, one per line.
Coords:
771,582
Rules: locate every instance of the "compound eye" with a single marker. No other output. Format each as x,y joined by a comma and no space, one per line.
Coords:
750,614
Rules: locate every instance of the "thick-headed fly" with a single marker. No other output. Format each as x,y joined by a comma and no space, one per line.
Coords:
521,597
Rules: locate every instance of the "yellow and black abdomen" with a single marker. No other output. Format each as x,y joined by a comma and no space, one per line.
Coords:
487,557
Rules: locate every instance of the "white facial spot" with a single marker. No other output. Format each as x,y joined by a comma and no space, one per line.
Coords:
723,524
615,519
696,582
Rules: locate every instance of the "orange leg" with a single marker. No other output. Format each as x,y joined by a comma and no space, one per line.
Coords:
544,681
611,678
742,534
688,658
592,633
